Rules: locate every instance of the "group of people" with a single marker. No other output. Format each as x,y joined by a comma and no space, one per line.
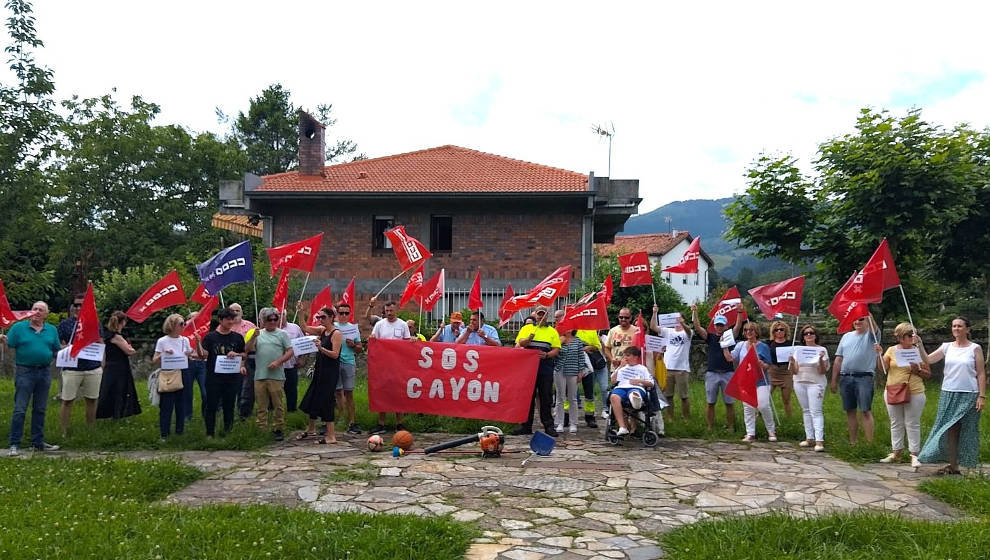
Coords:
265,374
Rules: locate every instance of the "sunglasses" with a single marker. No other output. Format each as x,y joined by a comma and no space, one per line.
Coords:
809,333
321,317
343,313
271,318
778,329
76,305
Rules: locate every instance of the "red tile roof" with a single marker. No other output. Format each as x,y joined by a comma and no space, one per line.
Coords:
655,244
442,169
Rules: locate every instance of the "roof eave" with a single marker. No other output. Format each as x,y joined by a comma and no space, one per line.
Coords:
266,194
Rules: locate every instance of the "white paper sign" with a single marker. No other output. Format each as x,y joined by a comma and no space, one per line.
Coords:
228,365
808,354
175,361
727,340
668,320
304,345
92,352
784,353
907,356
655,343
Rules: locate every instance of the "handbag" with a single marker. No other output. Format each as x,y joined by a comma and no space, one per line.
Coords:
170,381
899,393
597,360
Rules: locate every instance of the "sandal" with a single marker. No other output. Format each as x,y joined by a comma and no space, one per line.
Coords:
304,435
947,470
323,441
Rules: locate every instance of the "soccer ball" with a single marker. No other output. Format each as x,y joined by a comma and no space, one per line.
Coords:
375,443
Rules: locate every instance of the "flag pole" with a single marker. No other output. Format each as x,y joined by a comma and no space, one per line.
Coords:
254,288
873,331
390,282
220,293
901,287
794,338
301,296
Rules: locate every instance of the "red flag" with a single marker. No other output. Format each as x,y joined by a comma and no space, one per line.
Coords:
883,260
743,383
544,293
348,296
846,305
590,315
431,292
780,297
201,324
635,269
727,308
503,314
300,255
323,299
689,260
200,295
7,316
88,327
639,339
408,249
474,298
607,287
412,287
281,297
164,293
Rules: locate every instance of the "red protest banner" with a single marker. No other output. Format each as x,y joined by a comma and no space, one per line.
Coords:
848,304
281,297
635,269
8,316
200,325
689,260
504,314
348,296
483,382
200,295
589,313
780,297
474,298
544,293
88,327
164,293
322,299
300,255
727,308
431,291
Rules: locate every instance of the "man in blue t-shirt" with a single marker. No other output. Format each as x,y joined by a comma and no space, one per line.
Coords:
852,376
36,344
348,364
718,371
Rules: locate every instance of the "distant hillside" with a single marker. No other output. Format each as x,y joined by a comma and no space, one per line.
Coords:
703,218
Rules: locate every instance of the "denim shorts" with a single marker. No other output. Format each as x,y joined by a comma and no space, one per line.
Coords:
715,380
856,392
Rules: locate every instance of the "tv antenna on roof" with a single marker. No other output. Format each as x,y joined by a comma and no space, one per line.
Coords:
610,132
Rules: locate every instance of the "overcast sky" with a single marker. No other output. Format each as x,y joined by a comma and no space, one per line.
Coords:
695,90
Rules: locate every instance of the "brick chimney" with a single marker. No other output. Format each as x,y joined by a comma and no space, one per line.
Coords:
312,145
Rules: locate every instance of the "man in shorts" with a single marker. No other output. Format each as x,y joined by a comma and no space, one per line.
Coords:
852,376
632,381
718,370
677,360
80,381
348,365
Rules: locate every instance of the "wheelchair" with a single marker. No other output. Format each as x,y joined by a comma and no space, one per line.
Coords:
644,424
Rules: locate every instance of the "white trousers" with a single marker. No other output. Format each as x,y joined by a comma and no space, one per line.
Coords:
567,387
906,418
811,396
749,413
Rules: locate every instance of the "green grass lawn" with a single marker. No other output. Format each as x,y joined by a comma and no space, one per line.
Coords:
106,508
862,536
969,493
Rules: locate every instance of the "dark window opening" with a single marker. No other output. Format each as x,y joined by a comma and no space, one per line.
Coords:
441,233
381,224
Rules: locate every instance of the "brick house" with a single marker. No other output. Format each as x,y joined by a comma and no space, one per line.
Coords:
516,220
666,249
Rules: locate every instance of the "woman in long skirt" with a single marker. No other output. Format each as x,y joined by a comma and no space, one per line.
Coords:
955,437
118,396
319,400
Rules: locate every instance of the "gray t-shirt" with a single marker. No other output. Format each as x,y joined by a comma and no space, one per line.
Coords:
857,352
270,347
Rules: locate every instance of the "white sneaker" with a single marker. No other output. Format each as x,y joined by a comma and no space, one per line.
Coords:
572,429
560,427
14,452
805,443
605,415
889,458
635,399
819,447
772,437
915,462
622,432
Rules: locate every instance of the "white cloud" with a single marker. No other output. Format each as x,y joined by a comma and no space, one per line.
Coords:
695,91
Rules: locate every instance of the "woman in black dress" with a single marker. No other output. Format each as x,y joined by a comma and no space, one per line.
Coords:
118,397
318,402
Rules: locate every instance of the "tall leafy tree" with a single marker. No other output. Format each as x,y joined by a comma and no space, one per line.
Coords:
26,119
896,177
269,132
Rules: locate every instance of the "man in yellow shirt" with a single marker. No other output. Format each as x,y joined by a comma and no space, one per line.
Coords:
544,339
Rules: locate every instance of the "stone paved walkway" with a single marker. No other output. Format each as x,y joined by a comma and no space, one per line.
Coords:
587,500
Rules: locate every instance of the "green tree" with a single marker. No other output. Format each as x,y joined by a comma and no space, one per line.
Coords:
636,298
27,118
122,182
269,132
899,178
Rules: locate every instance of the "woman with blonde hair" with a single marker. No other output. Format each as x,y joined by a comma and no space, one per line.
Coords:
751,334
780,373
118,396
904,382
809,386
172,344
955,437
